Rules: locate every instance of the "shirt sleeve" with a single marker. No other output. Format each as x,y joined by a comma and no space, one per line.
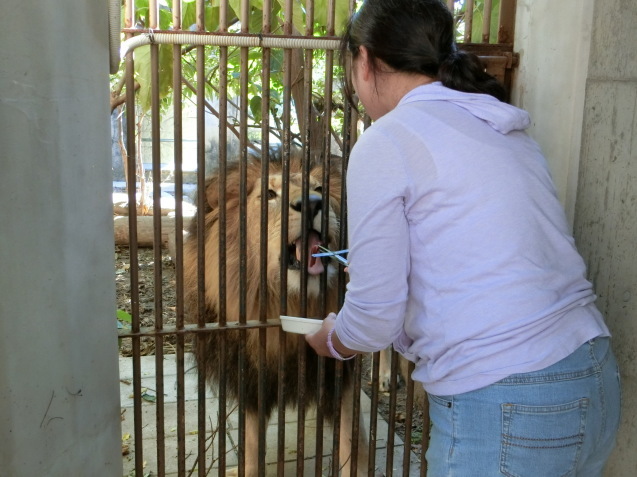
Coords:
372,316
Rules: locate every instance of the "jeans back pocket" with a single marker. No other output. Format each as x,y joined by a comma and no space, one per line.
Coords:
542,440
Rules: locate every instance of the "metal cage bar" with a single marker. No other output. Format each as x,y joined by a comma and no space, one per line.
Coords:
291,48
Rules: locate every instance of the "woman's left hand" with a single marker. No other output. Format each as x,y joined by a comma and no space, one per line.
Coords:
318,340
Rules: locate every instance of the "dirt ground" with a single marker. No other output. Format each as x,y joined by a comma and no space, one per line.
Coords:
146,269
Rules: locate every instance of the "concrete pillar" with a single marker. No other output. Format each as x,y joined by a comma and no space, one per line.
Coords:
578,79
606,212
550,82
59,398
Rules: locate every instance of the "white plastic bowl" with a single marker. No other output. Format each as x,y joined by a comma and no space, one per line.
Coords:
303,326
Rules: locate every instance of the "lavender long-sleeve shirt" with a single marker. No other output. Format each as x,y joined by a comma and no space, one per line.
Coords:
460,253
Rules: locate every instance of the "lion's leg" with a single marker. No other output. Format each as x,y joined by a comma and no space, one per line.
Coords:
252,444
345,449
384,370
251,447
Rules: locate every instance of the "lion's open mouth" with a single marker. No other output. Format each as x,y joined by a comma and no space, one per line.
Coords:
315,264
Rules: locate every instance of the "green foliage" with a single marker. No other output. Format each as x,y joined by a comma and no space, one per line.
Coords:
124,322
189,15
124,316
144,71
254,68
142,55
478,20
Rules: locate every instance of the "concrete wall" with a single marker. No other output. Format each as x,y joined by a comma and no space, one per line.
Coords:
578,79
59,401
553,40
606,212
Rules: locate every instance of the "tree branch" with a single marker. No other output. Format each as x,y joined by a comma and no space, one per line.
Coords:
119,99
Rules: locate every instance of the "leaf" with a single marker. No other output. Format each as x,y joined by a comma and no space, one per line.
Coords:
143,73
341,14
124,316
255,107
256,21
320,12
276,61
478,21
165,18
298,14
255,6
211,18
188,14
149,397
235,5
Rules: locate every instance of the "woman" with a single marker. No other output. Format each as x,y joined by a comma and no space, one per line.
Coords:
461,257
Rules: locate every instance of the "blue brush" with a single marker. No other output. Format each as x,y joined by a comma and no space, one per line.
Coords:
326,252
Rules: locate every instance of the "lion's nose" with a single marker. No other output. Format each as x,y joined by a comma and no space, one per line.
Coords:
314,205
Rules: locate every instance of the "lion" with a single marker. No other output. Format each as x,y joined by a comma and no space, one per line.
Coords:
318,225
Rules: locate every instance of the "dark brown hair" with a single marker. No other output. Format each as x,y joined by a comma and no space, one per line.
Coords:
416,36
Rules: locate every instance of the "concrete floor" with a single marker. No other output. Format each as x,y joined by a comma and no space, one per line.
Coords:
170,428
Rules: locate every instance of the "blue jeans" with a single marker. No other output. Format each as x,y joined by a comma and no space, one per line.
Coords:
560,421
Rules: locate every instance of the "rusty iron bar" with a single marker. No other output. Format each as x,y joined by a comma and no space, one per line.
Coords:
356,413
285,198
320,389
132,225
486,21
506,28
424,444
263,301
193,329
179,246
336,426
408,419
181,331
320,418
300,437
330,41
373,414
409,408
305,175
391,428
157,245
201,268
468,20
222,174
243,230
129,17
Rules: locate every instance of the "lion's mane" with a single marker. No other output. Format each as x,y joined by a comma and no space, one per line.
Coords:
220,349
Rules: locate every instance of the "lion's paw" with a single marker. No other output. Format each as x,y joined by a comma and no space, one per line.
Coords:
384,383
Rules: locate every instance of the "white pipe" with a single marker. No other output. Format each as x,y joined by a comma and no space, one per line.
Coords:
114,32
227,40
